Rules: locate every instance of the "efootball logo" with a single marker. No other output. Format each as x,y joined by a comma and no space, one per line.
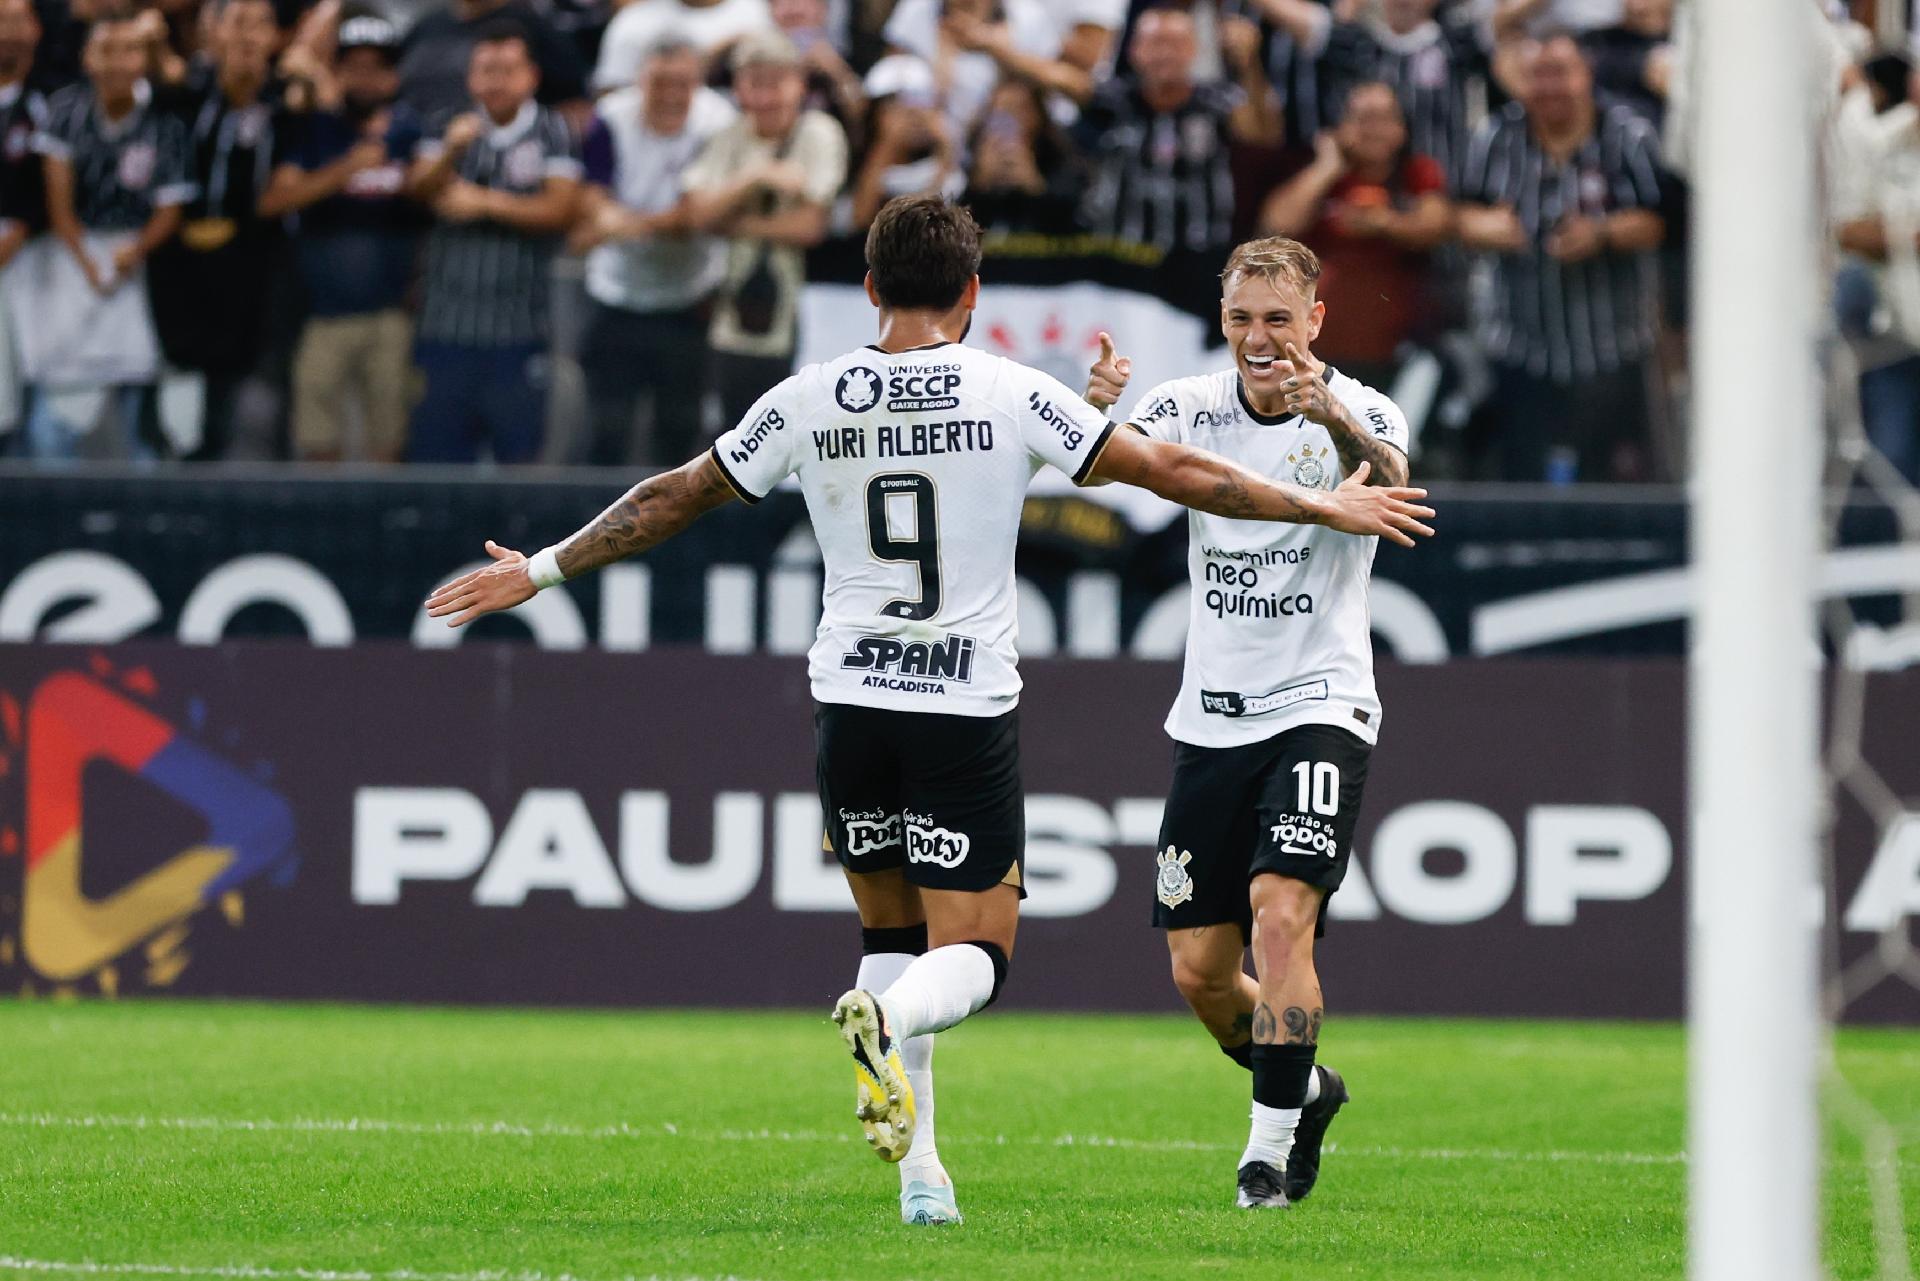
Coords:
858,390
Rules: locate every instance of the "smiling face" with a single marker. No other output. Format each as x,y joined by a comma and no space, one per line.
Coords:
1260,316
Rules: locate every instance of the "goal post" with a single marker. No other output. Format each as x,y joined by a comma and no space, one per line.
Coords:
1757,452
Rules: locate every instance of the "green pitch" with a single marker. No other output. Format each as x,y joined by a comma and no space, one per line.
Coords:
173,1139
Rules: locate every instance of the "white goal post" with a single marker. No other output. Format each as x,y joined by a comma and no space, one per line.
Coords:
1755,773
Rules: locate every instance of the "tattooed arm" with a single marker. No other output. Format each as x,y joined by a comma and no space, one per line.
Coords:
1307,393
1206,482
650,513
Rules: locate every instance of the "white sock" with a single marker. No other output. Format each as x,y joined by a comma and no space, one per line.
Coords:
938,990
922,1162
1313,1084
1271,1138
879,971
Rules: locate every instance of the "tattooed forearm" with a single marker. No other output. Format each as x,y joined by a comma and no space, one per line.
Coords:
650,513
1235,491
1356,445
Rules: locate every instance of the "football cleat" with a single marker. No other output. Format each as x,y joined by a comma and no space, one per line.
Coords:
1260,1188
883,1099
1303,1163
926,1204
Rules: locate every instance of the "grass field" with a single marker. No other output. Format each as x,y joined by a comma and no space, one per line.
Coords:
175,1139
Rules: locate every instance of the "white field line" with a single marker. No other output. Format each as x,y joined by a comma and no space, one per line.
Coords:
624,1130
249,1272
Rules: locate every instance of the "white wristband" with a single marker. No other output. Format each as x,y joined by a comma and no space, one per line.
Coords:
544,568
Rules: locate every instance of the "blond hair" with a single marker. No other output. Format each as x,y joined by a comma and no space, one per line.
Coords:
1278,260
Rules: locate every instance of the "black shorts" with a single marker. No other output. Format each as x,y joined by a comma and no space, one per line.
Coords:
1287,805
938,796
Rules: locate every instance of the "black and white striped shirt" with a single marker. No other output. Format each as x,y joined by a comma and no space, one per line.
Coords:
1160,178
1436,70
122,171
1567,320
487,283
1299,80
23,186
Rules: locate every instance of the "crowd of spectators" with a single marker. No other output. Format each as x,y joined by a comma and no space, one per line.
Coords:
336,230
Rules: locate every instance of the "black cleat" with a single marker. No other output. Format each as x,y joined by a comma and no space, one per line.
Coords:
1303,1163
1260,1188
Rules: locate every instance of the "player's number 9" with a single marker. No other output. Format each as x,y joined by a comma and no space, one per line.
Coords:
921,549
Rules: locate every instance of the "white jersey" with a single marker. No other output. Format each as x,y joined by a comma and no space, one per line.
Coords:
1280,630
915,468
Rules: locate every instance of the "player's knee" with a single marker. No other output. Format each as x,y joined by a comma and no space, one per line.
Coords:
1202,985
1285,913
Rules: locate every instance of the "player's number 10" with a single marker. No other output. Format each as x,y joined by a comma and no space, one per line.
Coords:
1319,787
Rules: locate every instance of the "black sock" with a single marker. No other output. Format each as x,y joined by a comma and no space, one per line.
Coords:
1281,1074
1241,1054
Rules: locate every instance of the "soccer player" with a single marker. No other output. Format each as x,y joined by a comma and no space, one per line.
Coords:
914,455
1277,713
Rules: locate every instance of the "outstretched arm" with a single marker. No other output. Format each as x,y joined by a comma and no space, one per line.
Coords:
1206,482
651,512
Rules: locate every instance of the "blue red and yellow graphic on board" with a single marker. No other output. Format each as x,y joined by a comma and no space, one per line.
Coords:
76,719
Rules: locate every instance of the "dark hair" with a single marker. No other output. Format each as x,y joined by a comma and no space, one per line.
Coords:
922,251
502,31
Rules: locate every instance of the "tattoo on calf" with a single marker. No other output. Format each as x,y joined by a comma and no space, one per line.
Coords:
1261,1023
1242,1025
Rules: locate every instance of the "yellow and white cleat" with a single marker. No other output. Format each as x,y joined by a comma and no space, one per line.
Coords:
883,1099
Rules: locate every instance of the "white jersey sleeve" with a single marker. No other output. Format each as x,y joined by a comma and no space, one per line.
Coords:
1163,412
762,450
1056,425
1376,412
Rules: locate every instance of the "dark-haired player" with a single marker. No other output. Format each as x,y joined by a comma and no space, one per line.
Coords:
914,455
1277,713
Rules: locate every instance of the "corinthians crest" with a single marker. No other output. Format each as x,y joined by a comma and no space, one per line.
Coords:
1172,886
1310,466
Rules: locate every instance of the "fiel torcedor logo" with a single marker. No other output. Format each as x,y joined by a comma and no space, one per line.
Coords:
67,932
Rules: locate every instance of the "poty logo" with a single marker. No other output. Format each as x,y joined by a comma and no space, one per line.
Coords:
927,843
870,830
858,390
74,723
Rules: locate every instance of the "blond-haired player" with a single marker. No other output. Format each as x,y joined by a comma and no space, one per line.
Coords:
1277,714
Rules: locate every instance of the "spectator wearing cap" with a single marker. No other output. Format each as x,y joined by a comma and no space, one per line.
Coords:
711,26
767,182
23,187
213,284
503,182
1160,141
437,55
649,277
912,151
118,173
342,177
1025,175
1561,197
